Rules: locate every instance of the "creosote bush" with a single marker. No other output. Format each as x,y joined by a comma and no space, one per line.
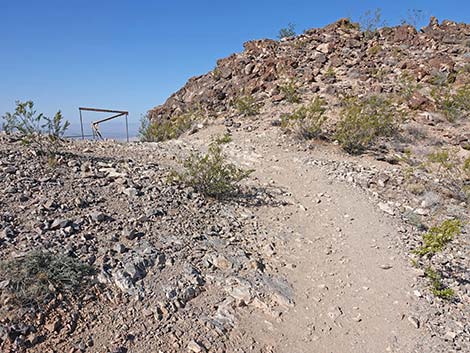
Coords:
38,276
158,129
223,139
289,89
289,31
439,236
307,120
453,104
437,287
210,173
38,131
370,22
247,105
454,174
407,86
364,120
414,18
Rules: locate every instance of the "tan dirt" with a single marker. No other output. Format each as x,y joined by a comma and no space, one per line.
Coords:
352,288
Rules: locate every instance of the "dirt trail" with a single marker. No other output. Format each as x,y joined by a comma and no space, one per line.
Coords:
352,289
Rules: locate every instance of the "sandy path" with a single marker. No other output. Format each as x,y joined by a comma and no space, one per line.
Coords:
352,289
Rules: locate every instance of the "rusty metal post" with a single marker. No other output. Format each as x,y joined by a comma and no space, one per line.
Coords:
127,129
81,124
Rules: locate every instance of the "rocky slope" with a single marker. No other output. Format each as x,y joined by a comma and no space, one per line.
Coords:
317,250
339,61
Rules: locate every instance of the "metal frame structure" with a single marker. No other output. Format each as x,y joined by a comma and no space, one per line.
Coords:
95,124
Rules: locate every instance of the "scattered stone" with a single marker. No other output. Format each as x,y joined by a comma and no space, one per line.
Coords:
414,321
196,347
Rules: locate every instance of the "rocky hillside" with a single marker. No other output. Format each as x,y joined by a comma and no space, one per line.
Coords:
418,68
103,249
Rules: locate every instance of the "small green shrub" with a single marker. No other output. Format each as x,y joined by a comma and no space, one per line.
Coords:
453,105
289,89
414,18
247,105
225,138
38,131
374,50
330,72
161,129
365,120
437,287
407,86
210,173
38,276
370,22
307,120
289,31
439,79
439,236
452,172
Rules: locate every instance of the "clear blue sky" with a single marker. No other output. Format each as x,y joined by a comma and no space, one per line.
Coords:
133,54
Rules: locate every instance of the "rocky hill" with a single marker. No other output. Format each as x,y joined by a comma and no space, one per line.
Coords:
320,249
417,68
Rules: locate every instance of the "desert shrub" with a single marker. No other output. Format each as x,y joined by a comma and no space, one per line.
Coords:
223,139
453,105
439,236
38,131
348,24
289,89
247,105
38,276
437,287
157,129
374,50
307,120
439,79
453,173
330,72
364,120
371,21
407,86
210,173
286,32
413,18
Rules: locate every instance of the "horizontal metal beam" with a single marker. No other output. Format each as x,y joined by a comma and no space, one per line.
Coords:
103,110
111,117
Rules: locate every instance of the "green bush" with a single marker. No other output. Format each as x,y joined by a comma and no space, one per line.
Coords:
158,129
289,31
330,72
437,287
38,276
370,22
307,120
452,172
365,120
247,105
439,236
42,133
407,86
210,173
454,105
289,89
223,139
414,18
374,50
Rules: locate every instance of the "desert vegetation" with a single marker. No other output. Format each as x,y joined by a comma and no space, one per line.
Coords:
307,120
210,173
41,133
39,276
364,120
